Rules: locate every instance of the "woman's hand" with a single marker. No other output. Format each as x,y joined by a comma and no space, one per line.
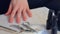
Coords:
18,8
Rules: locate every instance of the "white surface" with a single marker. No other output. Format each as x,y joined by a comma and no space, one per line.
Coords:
43,32
39,16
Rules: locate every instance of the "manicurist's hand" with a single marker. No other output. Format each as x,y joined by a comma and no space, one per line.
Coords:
18,8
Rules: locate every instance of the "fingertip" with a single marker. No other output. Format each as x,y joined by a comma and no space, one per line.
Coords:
11,20
18,20
9,10
30,15
25,18
6,14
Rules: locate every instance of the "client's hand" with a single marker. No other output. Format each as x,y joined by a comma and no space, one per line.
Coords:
18,8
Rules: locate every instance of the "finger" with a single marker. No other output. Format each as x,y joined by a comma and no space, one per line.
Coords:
14,11
11,19
13,14
9,10
29,12
18,17
24,15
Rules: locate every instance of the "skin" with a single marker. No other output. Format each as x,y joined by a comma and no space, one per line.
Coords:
18,8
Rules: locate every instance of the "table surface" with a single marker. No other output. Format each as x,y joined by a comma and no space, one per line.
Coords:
39,17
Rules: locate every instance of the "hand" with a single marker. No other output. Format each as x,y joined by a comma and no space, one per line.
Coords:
18,8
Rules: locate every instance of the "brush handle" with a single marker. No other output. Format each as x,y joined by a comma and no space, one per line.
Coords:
54,23
54,31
